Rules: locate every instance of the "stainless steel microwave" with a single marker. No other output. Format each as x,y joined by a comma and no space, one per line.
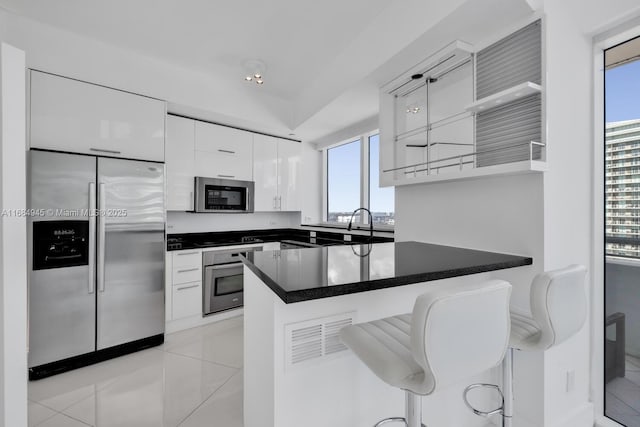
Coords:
223,195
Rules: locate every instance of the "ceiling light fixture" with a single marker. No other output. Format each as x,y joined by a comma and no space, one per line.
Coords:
254,69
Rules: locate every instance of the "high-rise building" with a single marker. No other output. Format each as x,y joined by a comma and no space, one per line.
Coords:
622,175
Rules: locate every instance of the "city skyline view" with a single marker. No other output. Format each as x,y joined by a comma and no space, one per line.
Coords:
622,149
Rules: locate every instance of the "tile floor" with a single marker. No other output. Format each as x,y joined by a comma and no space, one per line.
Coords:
623,395
193,380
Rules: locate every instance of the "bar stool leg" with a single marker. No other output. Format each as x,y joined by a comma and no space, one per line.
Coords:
507,387
413,409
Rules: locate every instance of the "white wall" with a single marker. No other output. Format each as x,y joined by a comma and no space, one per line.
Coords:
567,191
13,239
186,222
558,218
502,214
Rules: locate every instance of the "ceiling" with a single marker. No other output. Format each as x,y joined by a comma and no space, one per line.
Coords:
324,59
294,38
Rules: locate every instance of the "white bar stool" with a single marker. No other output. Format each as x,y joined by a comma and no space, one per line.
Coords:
429,349
558,303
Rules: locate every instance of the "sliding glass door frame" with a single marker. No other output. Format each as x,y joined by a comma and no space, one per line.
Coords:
605,40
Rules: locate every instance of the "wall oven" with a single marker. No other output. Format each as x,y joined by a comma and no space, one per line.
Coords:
223,279
223,195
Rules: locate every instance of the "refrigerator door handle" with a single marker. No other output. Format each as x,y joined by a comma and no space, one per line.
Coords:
92,236
101,235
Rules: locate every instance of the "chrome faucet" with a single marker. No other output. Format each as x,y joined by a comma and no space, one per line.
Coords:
370,221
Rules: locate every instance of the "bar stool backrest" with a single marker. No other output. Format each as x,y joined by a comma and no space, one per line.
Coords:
459,333
559,304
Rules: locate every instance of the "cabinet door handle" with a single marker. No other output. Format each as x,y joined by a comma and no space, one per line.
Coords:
186,253
227,151
187,287
226,176
188,269
102,150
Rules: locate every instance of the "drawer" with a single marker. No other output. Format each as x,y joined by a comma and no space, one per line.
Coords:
186,274
187,300
187,259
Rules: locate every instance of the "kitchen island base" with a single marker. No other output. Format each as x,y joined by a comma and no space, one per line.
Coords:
293,379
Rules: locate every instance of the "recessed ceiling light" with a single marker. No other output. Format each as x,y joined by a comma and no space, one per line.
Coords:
255,70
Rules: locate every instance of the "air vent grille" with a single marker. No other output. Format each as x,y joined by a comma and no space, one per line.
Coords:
316,339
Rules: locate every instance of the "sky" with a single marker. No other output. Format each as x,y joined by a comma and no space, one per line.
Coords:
622,92
344,179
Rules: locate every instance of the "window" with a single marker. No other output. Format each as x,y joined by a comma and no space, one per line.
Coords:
622,233
352,181
381,199
343,181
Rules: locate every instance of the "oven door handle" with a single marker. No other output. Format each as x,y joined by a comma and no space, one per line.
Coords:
223,266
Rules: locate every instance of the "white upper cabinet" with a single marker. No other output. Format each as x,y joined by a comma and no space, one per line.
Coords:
289,155
265,173
69,115
180,163
465,113
276,174
223,152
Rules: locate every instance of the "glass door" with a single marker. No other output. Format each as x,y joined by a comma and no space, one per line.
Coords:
622,233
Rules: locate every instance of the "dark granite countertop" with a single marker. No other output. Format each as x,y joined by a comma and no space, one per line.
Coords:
297,275
177,242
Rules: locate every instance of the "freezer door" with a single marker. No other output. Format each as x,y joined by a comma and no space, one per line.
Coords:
61,282
130,251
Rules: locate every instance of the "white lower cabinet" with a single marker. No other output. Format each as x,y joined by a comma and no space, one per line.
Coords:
187,300
183,284
186,275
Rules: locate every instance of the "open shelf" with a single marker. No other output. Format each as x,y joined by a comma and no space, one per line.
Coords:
442,61
516,168
504,97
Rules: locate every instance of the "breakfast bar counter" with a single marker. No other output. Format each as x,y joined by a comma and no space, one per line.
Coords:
296,370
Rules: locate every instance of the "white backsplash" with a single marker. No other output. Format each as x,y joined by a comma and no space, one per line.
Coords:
185,222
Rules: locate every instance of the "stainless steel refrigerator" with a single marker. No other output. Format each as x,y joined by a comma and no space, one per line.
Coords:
96,256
